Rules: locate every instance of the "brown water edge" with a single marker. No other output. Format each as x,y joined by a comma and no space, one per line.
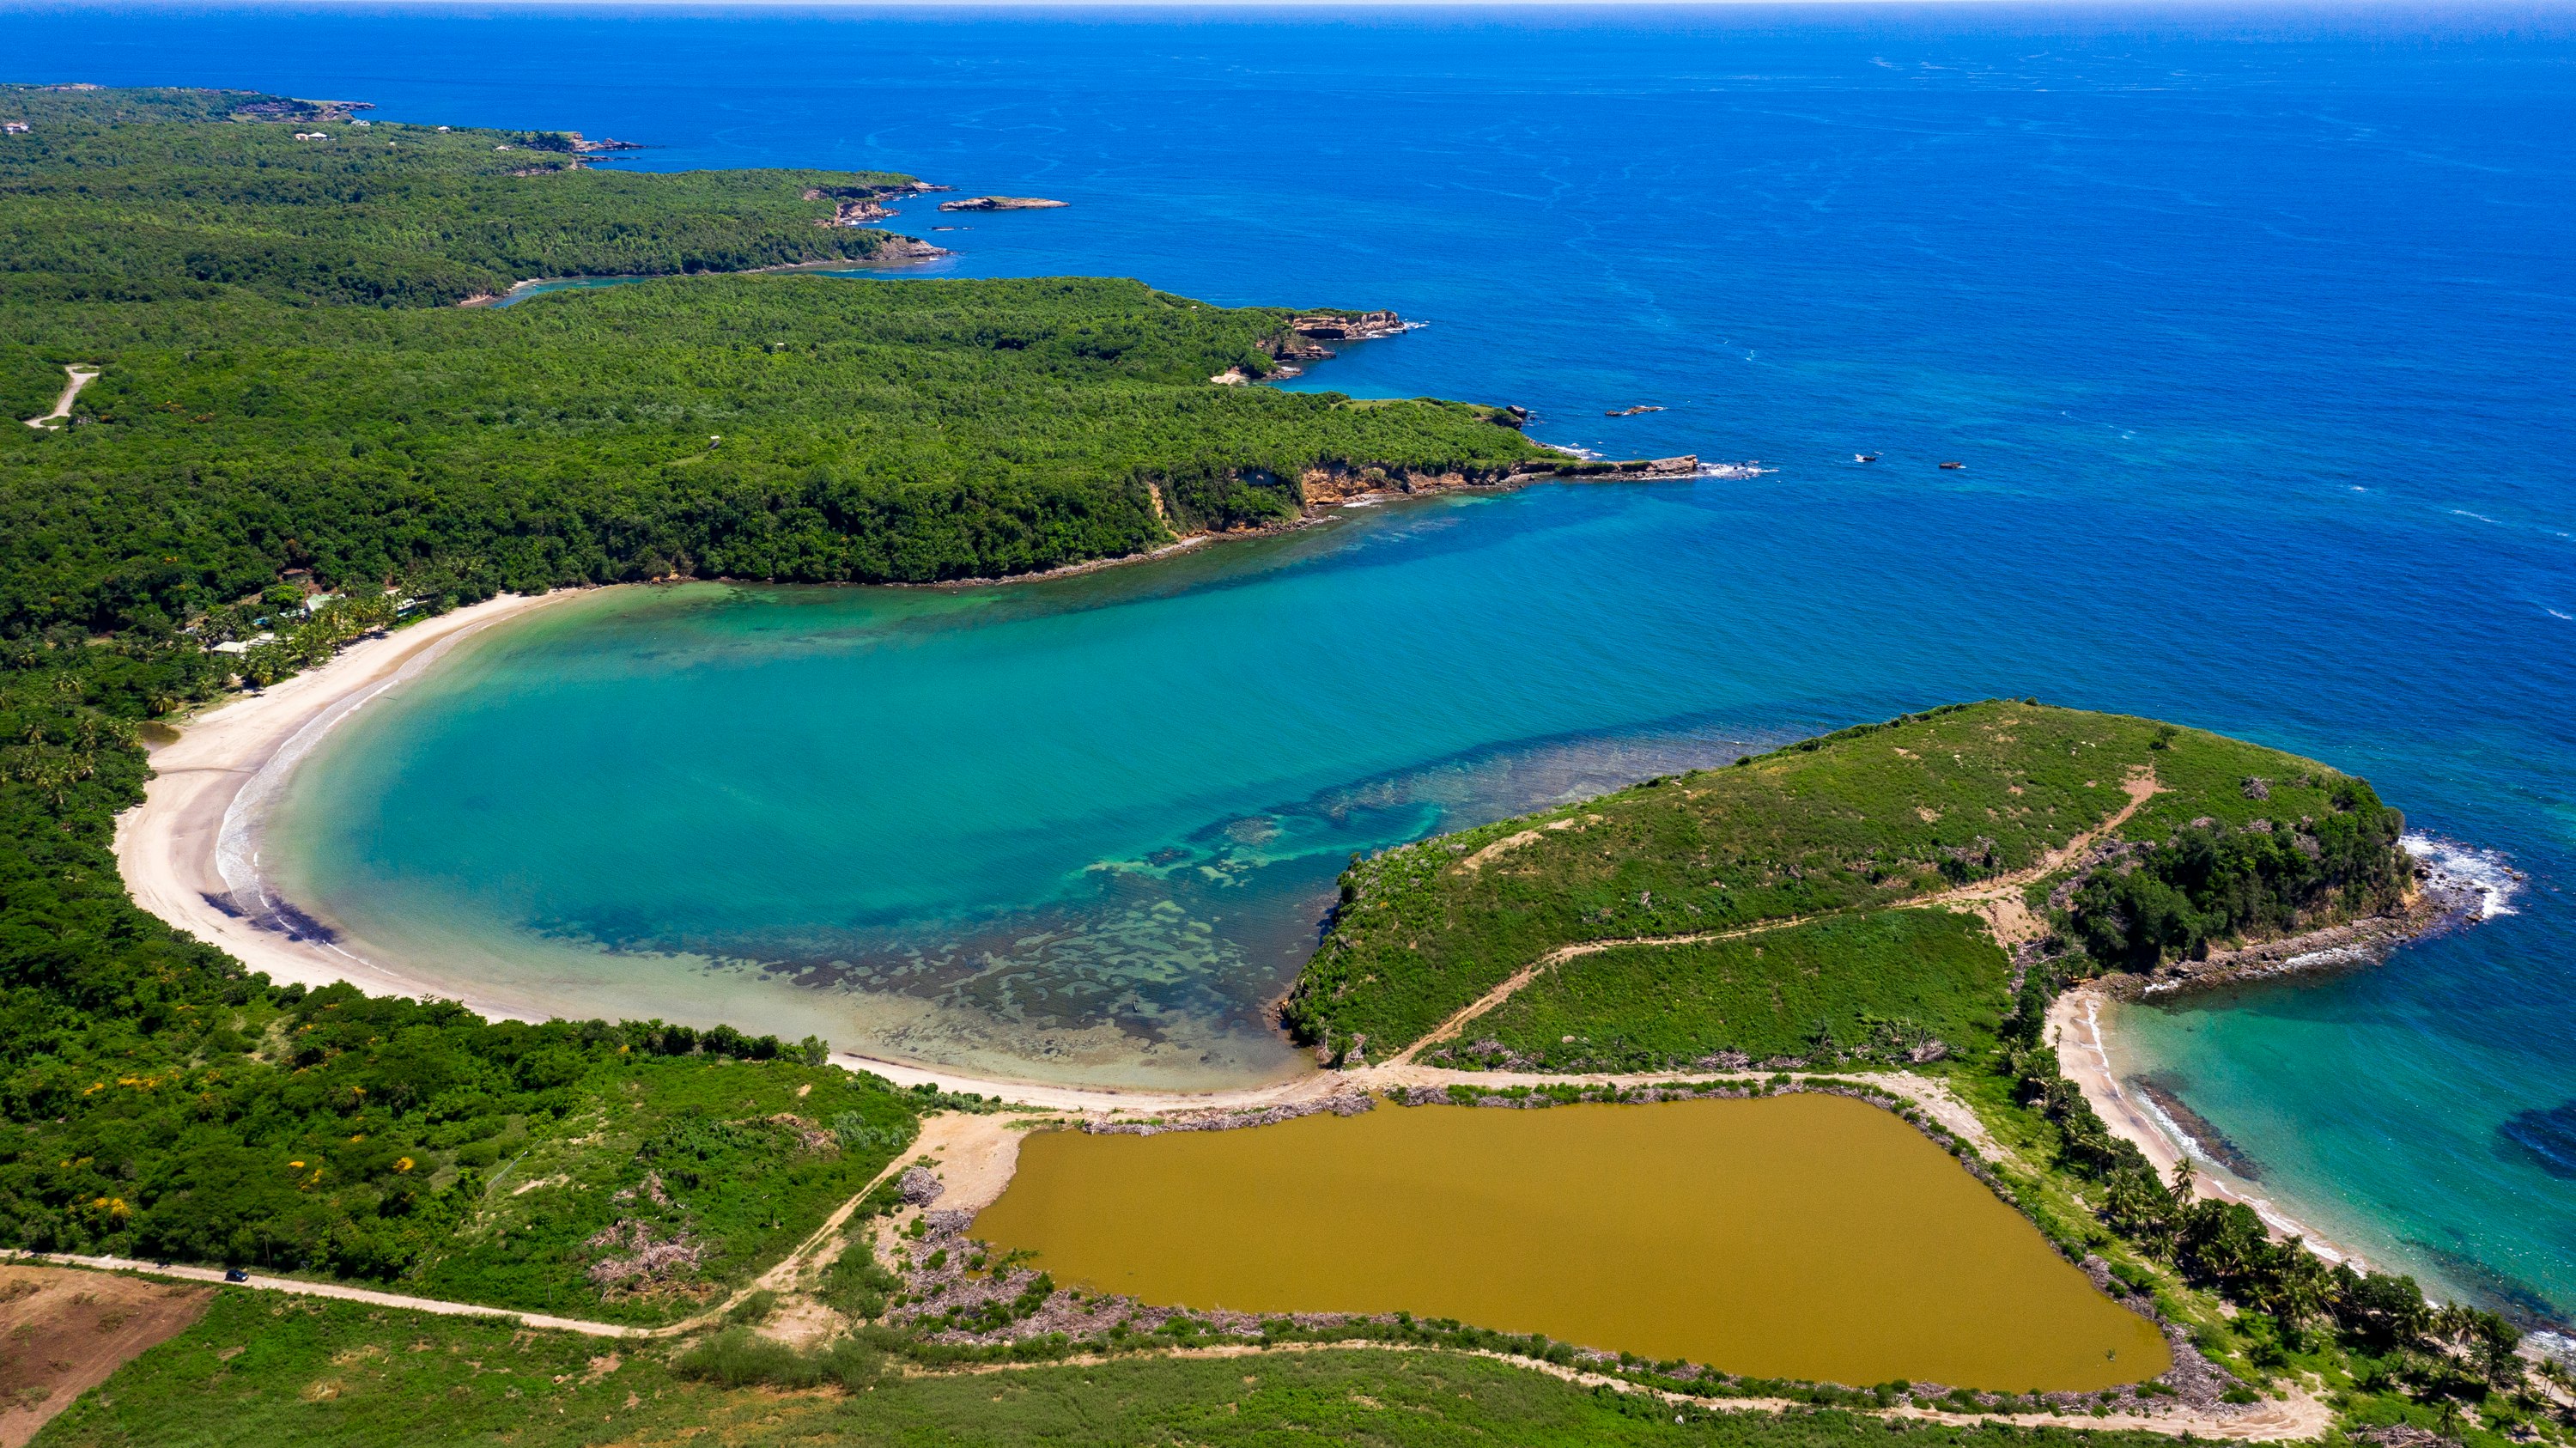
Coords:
1804,1236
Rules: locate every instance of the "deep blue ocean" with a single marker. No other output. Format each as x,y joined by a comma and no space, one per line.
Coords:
2252,327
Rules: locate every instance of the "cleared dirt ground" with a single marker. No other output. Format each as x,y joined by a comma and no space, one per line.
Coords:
62,1332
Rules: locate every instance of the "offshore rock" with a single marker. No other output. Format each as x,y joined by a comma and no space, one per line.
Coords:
1000,203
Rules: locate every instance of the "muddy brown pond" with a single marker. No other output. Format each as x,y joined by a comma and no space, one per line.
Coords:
1802,1236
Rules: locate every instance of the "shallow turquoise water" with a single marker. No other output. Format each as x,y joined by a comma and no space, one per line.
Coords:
2253,326
1093,821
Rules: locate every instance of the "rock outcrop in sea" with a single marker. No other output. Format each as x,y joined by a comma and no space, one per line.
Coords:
1001,203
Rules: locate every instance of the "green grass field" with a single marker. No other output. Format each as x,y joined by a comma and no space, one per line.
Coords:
1879,981
261,1372
726,1156
1856,821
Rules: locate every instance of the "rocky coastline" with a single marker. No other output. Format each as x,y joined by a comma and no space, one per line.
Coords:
2435,907
865,205
1328,487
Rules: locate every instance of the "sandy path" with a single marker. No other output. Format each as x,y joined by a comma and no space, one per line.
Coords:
337,1290
2299,1417
166,846
81,376
1998,900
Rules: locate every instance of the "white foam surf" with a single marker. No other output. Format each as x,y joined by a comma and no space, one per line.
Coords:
2483,875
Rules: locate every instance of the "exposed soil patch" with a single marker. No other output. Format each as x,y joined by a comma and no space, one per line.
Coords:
63,1332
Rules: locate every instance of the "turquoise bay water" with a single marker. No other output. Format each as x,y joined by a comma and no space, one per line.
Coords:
2252,326
1080,829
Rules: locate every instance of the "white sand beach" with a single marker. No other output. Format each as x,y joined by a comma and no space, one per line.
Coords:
166,846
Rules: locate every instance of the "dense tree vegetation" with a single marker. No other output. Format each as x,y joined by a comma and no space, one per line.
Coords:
795,427
280,390
2210,882
158,195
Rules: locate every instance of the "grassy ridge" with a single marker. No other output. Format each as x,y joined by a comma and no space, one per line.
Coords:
1885,982
295,1372
1861,819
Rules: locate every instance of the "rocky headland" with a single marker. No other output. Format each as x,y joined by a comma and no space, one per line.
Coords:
863,205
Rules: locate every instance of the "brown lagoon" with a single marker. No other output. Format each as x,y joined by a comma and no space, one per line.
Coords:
1800,1236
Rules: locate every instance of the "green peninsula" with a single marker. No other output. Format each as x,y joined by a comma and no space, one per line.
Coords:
1848,895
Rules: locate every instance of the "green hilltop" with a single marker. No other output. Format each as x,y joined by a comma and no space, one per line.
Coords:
1791,890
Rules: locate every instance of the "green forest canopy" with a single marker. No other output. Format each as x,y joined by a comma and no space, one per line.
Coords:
282,388
161,195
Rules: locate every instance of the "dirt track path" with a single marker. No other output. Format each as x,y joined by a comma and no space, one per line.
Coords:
81,377
2299,1417
1997,899
1485,1003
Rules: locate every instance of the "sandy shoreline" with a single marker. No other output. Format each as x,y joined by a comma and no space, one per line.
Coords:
166,847
2083,1057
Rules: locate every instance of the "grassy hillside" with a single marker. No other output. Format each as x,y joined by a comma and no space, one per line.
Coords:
1882,984
1851,823
311,1372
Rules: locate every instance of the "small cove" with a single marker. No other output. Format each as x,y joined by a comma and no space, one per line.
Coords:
1803,1236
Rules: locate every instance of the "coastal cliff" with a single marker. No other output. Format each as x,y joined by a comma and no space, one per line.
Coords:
1331,484
862,205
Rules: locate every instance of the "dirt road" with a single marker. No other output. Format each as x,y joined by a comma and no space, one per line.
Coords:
81,376
1998,900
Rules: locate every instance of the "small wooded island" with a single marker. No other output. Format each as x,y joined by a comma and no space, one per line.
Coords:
294,438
